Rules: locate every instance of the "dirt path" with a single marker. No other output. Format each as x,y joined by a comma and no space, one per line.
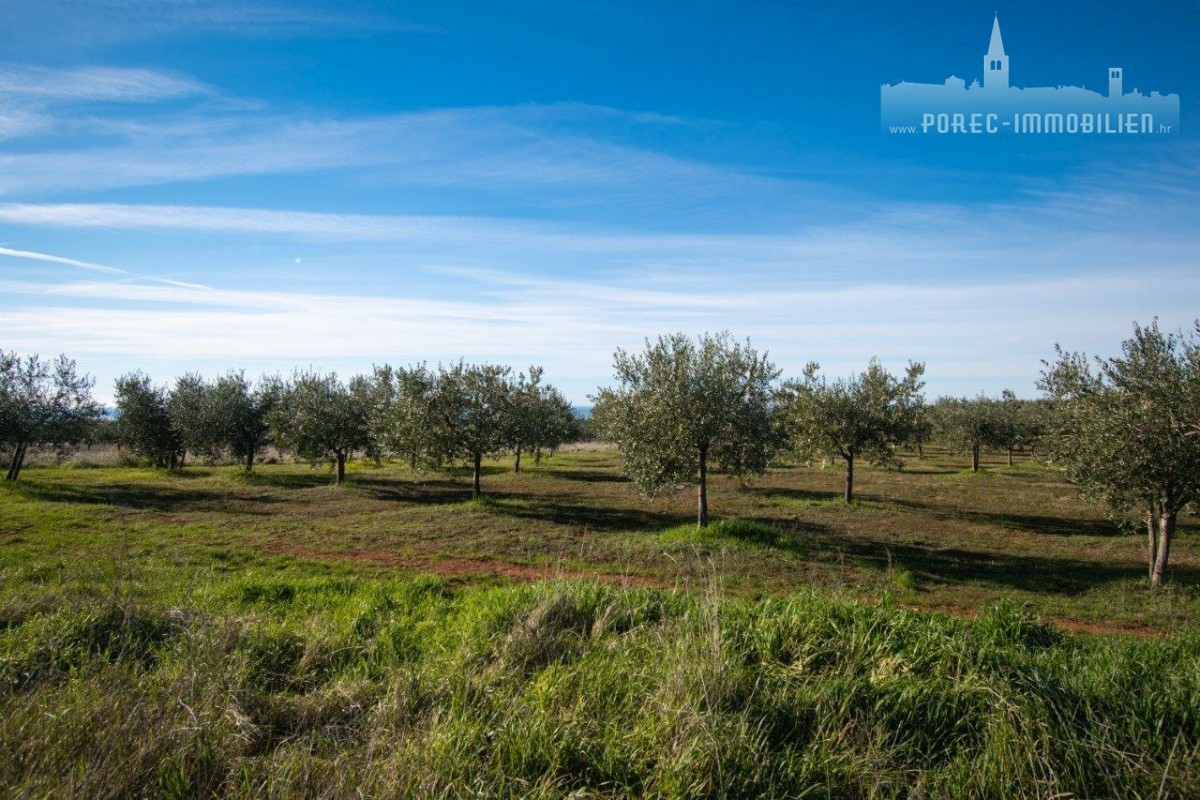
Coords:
471,567
493,568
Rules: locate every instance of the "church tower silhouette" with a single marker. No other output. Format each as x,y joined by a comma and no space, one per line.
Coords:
995,63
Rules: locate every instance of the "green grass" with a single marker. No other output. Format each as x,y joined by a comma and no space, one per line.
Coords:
965,543
207,632
724,533
279,682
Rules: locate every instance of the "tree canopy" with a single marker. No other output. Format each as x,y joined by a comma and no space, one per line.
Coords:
867,415
45,403
320,418
471,409
682,405
1124,429
144,420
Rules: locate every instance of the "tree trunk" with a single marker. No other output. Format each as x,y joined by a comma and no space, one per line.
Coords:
702,491
341,466
517,463
975,458
920,450
249,459
475,492
1166,529
849,477
1152,542
14,466
1010,456
182,459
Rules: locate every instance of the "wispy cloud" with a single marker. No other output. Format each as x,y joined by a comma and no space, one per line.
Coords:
96,84
100,23
51,259
560,157
966,333
46,258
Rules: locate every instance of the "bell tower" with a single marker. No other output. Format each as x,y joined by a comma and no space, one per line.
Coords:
995,63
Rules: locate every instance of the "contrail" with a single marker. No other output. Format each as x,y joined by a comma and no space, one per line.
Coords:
88,265
70,262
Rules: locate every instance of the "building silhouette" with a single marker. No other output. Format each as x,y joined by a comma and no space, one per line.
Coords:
996,106
995,62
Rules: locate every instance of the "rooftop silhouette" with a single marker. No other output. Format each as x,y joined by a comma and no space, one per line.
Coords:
1045,109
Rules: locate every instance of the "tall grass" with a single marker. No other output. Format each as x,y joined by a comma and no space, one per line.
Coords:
259,685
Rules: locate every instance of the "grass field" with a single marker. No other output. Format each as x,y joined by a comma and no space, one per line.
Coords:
934,536
204,631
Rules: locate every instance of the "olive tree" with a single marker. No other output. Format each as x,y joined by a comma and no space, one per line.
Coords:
968,424
402,418
241,413
144,421
554,423
1123,430
684,405
1017,424
42,403
868,415
196,425
471,407
318,417
541,419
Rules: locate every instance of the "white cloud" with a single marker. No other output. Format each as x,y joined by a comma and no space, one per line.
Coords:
96,84
552,156
70,262
101,23
17,122
987,335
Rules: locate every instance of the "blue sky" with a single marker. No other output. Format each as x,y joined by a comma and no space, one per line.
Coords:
192,185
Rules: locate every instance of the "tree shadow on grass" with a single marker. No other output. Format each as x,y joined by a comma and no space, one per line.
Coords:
588,476
591,517
290,480
789,493
144,496
1042,524
793,536
1039,574
422,491
835,498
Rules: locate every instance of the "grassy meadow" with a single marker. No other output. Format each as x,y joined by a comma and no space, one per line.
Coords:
205,632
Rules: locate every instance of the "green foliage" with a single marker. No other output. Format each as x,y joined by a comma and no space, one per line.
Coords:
193,417
144,424
541,420
1005,423
42,403
868,415
472,416
967,424
734,532
682,404
242,412
322,419
261,685
402,415
1126,430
